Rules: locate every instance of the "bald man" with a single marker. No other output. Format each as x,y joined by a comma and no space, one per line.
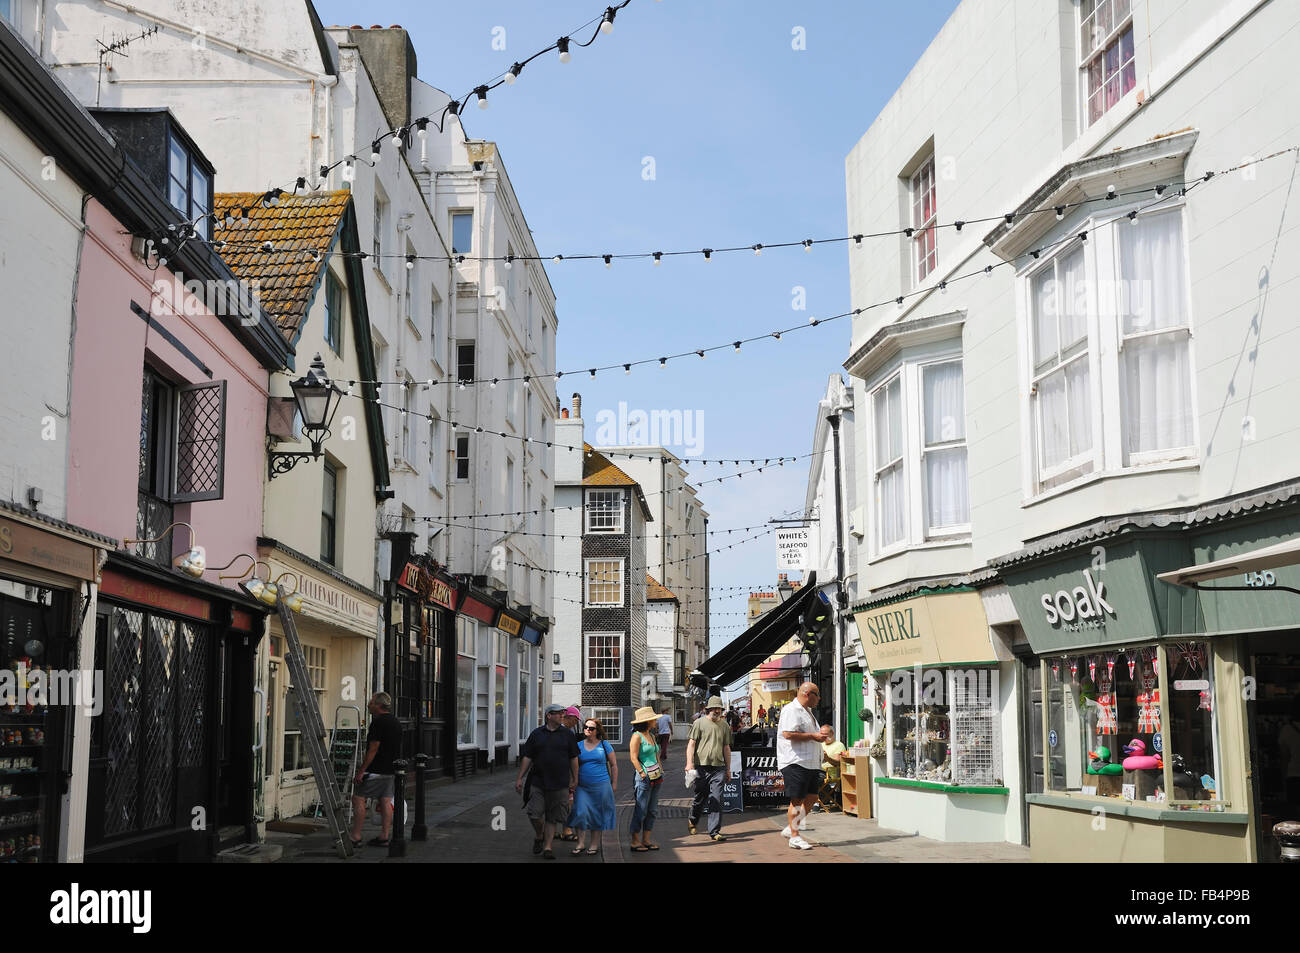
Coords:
799,740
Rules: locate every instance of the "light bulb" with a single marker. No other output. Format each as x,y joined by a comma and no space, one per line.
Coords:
562,44
659,258
607,25
410,262
593,373
513,74
737,347
807,245
1133,217
397,138
375,155
988,271
701,354
609,260
1110,191
758,250
708,254
482,97
1060,212
943,287
663,362
557,259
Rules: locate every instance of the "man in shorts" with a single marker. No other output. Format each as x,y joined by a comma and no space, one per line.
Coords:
799,742
374,779
551,751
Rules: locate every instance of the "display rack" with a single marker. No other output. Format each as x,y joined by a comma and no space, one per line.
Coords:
22,784
855,786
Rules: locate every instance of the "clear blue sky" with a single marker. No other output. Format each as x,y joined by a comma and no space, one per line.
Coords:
748,137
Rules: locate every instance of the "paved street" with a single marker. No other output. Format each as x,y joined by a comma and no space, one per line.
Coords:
479,820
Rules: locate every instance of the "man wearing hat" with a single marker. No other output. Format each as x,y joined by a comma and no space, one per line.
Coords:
708,753
551,751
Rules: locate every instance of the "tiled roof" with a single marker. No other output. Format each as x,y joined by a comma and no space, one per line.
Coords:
654,591
298,227
597,470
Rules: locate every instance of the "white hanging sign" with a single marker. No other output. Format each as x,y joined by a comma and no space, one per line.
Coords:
794,548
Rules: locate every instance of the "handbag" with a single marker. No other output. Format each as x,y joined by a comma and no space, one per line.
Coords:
654,773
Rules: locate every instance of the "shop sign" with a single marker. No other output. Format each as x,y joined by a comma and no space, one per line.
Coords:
531,635
1052,738
783,686
945,629
732,793
793,548
557,674
1078,608
478,610
1192,685
439,592
761,781
36,547
155,596
508,625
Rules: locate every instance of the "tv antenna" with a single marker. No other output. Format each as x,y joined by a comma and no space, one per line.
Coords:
117,46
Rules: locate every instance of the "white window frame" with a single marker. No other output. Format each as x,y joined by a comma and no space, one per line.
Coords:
383,213
468,457
587,656
437,451
451,231
922,267
1098,52
588,581
611,719
591,509
511,393
1106,337
406,448
879,467
437,340
954,529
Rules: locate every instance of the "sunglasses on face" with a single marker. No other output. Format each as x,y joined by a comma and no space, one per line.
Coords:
589,727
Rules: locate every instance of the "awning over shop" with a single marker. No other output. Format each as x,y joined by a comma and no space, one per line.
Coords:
1256,560
760,640
784,666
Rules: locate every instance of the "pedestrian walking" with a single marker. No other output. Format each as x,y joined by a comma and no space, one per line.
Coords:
665,735
799,757
374,779
550,762
593,802
708,753
644,752
572,721
762,716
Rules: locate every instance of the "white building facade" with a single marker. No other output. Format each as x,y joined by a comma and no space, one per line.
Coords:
1113,364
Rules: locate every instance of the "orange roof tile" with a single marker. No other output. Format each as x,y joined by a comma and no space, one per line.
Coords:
297,228
655,592
597,470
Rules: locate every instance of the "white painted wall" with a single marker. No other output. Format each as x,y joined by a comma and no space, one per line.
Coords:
40,240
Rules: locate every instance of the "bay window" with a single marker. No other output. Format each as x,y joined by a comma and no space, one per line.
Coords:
1061,388
891,493
943,450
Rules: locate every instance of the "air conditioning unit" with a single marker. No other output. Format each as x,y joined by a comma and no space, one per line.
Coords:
858,522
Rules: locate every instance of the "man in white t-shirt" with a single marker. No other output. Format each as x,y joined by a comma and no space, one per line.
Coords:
799,741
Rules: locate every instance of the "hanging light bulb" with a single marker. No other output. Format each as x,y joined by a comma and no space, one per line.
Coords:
813,321
899,301
513,74
708,254
494,383
1110,191
807,245
1083,236
1060,212
988,271
1133,217
943,287
758,250
663,362
562,44
375,154
627,369
609,260
410,262
659,258
607,25
736,345
958,224
593,373
482,92
397,137
700,353
422,128
557,259
777,335
507,262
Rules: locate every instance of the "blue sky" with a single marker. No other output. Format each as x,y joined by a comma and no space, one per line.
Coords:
748,138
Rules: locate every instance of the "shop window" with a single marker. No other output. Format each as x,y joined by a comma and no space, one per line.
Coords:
611,719
944,726
502,657
1097,710
466,630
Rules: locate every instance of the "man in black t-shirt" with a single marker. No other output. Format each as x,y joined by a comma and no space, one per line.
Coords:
550,763
374,778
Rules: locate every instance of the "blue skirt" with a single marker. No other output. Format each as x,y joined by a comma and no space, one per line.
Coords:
593,808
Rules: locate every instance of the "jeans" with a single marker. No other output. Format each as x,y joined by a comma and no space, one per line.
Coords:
708,796
647,805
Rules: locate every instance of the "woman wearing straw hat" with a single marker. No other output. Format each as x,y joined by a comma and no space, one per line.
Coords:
644,752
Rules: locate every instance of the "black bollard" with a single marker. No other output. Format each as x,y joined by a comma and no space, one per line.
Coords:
397,840
420,830
1288,840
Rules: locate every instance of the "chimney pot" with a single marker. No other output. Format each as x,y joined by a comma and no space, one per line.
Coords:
577,405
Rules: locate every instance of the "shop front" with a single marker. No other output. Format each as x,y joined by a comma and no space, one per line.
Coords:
947,761
171,772
337,627
48,574
1146,754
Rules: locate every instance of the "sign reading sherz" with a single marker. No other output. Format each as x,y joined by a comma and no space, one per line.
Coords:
892,626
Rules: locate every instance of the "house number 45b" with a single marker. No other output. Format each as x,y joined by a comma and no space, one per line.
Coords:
1260,579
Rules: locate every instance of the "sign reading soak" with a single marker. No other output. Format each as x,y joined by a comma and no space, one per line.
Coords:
1078,608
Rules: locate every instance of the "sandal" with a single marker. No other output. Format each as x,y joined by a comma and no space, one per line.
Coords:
592,851
650,846
576,852
356,844
376,842
639,848
548,854
568,837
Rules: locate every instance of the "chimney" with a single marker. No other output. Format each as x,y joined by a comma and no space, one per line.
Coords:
390,57
577,405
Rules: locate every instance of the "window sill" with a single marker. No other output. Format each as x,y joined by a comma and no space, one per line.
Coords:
400,464
414,330
1118,807
941,787
953,543
1160,467
383,278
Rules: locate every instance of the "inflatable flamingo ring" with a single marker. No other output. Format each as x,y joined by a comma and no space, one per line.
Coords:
1138,759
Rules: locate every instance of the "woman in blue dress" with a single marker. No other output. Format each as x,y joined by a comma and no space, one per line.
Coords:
593,802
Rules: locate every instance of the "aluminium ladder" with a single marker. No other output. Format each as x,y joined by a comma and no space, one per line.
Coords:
313,735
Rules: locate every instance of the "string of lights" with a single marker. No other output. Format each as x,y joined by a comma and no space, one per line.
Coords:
730,592
400,137
620,454
590,507
1162,192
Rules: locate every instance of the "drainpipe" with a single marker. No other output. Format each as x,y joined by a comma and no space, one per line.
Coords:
841,595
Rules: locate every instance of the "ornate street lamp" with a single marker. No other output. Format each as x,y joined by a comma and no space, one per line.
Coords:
318,400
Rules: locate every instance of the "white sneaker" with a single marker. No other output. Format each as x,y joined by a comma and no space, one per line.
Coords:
785,831
800,843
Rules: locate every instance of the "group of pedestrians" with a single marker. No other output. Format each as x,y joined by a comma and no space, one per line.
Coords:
569,772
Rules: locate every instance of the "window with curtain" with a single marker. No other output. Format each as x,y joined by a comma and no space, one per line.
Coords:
1155,365
1061,386
891,495
943,450
466,630
924,215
